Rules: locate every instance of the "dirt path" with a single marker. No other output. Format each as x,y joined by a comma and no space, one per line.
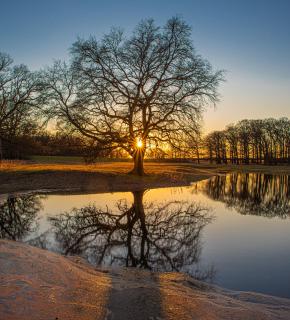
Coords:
39,285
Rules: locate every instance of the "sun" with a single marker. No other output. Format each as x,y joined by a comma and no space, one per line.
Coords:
139,143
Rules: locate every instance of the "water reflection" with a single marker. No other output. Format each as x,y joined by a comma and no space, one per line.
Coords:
155,231
254,194
158,237
18,216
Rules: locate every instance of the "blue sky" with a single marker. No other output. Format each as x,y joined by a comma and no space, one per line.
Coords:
249,39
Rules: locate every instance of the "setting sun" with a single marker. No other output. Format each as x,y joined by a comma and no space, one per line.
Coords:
139,143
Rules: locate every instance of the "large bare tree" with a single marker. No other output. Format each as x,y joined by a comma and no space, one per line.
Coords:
127,91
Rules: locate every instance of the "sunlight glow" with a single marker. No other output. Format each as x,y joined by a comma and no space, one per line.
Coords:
139,143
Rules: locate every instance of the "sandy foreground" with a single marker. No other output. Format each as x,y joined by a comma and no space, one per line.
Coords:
37,284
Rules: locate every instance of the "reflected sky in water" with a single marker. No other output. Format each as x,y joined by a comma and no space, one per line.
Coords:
233,230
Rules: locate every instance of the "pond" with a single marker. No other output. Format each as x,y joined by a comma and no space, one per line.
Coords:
232,230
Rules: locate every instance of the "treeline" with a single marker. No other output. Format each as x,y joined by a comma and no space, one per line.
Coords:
45,143
250,141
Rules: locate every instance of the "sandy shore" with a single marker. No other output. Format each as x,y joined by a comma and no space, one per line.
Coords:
37,284
108,177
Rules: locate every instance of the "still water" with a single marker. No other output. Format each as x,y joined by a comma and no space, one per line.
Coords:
232,230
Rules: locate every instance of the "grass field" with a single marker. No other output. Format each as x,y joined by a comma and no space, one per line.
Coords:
57,159
71,173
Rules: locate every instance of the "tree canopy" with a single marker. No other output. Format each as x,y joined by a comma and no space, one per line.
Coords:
19,90
133,91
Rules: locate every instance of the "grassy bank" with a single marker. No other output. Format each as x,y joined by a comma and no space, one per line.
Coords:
69,175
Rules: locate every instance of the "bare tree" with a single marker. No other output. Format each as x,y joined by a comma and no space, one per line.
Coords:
129,91
216,145
18,94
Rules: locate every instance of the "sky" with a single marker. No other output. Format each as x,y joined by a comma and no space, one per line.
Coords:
249,39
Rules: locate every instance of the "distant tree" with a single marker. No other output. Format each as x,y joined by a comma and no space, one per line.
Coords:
128,91
18,96
216,144
244,131
231,135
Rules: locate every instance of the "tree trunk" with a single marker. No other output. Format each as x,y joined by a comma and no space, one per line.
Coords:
138,163
1,150
140,214
197,153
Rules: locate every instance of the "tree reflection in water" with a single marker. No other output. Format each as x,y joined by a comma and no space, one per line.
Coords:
163,237
255,194
18,216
